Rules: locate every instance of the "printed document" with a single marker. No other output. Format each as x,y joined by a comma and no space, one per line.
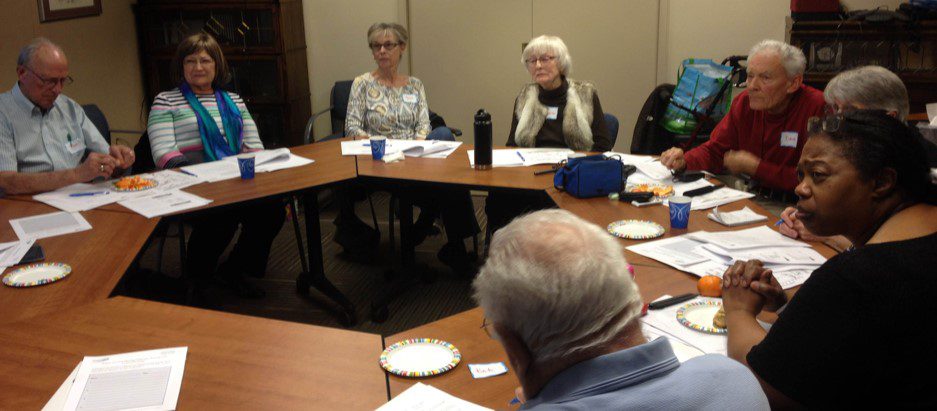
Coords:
49,225
143,380
424,397
517,157
164,203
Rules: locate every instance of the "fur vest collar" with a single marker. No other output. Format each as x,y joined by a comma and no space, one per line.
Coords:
577,116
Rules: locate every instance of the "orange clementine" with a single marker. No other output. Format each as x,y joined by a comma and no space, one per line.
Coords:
710,286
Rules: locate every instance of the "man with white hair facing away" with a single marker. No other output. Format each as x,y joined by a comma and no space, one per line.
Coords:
557,295
764,132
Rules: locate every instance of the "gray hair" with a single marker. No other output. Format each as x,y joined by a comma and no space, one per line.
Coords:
559,282
29,51
874,87
397,30
792,58
545,44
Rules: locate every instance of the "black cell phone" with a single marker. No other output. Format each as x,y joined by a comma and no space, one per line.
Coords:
34,254
688,176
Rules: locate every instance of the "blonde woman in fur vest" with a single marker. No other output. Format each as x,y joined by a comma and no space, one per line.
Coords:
551,111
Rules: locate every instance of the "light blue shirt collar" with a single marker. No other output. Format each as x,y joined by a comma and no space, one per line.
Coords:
609,372
26,103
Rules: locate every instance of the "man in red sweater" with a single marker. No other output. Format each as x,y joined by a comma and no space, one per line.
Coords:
766,128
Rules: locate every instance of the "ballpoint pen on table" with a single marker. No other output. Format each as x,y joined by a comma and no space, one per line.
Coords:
88,194
186,172
521,156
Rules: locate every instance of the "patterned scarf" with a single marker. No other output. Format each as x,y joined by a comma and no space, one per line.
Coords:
213,143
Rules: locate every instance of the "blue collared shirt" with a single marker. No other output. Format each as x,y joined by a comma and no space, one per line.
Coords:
32,141
649,376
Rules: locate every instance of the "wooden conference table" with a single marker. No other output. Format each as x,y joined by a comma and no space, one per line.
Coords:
238,361
234,361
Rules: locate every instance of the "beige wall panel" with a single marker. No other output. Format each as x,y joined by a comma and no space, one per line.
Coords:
468,55
336,40
613,44
102,54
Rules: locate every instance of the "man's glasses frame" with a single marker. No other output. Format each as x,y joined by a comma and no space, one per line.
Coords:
51,82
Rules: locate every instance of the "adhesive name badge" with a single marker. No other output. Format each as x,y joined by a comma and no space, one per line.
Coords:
552,113
74,146
789,139
488,370
409,98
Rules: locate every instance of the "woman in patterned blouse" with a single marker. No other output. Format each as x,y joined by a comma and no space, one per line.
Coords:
386,103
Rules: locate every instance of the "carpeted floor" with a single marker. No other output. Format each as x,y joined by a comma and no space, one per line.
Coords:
446,294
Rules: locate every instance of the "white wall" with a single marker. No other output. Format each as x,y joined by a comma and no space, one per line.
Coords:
336,41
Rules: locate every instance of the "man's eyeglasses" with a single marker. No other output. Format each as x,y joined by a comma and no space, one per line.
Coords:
376,47
543,60
51,82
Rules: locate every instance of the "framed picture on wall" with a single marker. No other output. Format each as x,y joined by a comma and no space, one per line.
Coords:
51,10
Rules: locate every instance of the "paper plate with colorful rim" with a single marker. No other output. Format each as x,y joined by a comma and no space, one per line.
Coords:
152,184
420,357
37,274
635,229
699,316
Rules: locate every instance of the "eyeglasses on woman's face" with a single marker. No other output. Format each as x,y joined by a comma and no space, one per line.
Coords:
543,60
389,45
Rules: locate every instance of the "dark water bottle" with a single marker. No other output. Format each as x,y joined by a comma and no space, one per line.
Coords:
482,140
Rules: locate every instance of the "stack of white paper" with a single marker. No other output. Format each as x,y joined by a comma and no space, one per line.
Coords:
146,380
517,157
85,196
164,203
49,225
12,252
735,218
424,397
264,161
410,148
703,253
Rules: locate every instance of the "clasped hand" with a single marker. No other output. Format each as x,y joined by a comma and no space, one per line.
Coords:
750,287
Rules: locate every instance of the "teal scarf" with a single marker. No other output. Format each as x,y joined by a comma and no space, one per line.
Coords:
214,144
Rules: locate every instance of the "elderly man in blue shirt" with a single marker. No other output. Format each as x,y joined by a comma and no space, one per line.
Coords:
46,141
558,296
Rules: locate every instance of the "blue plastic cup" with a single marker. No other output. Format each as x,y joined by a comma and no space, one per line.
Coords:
378,146
680,211
246,165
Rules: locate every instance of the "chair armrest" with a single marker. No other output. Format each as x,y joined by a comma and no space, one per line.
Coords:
455,131
307,133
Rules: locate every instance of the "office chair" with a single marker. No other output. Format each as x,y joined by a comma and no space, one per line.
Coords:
94,113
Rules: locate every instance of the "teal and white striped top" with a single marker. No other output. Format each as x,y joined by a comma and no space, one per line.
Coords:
173,128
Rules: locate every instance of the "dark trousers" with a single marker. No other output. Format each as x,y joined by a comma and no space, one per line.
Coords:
454,205
502,207
211,232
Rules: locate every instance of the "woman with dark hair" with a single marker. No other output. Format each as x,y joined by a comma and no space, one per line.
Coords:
198,122
863,175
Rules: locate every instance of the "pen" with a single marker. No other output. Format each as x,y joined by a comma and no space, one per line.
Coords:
778,224
702,190
670,301
91,193
186,172
521,156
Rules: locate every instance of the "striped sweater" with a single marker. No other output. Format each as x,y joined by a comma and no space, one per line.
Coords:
173,128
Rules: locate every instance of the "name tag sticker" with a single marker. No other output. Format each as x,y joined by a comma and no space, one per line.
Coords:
789,139
552,112
74,146
488,370
409,98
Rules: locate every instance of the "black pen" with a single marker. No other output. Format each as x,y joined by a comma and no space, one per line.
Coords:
656,305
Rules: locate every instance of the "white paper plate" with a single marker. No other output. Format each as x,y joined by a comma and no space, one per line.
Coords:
699,316
37,274
420,357
635,229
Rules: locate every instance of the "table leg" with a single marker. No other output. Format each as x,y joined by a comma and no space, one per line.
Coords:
401,282
315,277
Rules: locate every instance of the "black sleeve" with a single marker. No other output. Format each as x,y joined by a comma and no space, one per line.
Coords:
601,139
511,142
176,162
814,340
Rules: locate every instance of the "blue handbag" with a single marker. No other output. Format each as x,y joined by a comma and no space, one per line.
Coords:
590,176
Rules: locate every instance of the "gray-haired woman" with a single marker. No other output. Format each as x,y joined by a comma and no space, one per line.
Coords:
553,110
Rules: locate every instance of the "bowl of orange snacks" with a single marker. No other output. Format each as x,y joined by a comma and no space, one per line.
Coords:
134,183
